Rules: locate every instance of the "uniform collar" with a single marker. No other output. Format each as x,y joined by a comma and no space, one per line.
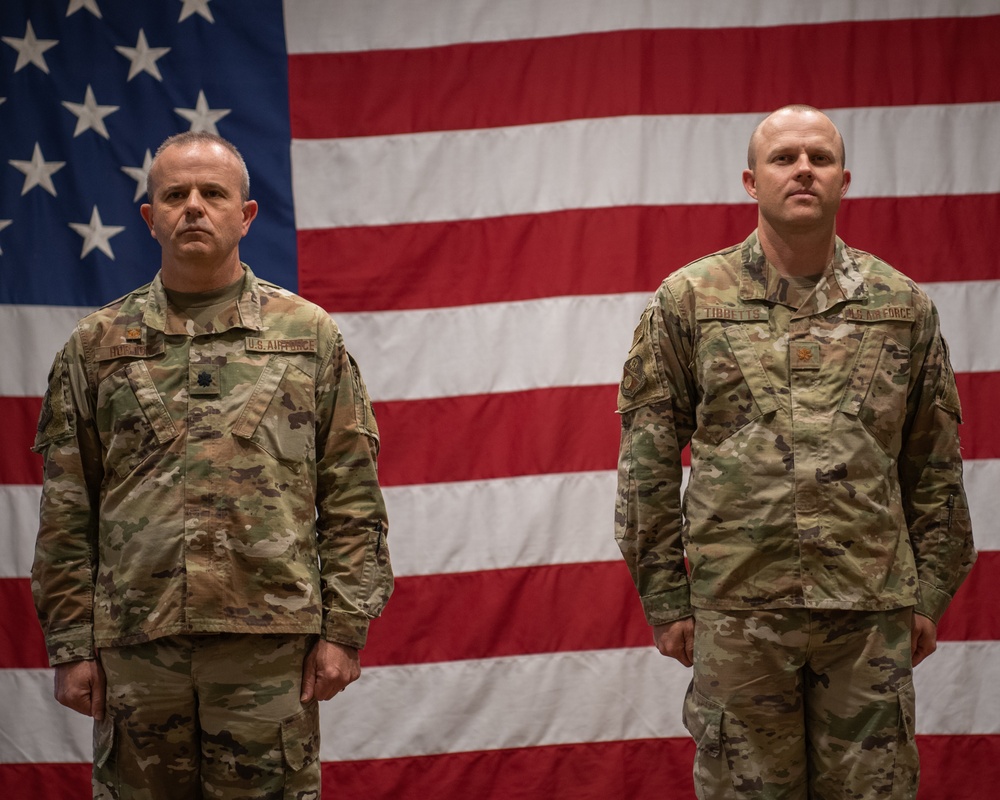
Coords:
246,313
842,280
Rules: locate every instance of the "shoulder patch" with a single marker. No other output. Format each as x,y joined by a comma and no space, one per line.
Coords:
633,378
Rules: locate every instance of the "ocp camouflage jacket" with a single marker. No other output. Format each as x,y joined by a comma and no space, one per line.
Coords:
825,463
223,481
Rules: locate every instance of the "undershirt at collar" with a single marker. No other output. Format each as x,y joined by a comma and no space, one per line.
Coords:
203,307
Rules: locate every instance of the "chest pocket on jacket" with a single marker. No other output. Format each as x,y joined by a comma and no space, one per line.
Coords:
131,418
280,417
735,389
877,388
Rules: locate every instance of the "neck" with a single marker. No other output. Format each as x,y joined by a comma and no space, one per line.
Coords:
195,277
797,253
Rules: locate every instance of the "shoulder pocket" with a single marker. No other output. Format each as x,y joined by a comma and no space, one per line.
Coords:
735,390
131,417
641,384
877,388
56,421
363,410
279,417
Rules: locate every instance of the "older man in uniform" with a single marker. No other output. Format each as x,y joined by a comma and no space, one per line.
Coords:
825,521
212,539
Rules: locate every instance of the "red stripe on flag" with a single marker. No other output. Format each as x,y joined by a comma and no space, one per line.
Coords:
980,433
22,645
958,767
974,613
507,619
641,769
45,781
610,250
18,465
567,429
457,263
620,73
476,437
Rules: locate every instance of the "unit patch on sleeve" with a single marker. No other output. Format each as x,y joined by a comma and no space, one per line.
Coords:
633,378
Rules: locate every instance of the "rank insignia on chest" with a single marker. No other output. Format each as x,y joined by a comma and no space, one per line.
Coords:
633,378
804,355
204,380
133,335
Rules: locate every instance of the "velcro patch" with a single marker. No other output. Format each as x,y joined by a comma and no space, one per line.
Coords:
732,314
804,355
883,314
127,350
204,380
255,345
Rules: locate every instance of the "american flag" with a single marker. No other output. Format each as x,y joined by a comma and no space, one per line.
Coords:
484,193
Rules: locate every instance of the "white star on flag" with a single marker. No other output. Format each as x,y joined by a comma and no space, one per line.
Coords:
89,115
90,5
97,234
3,224
38,171
196,7
139,174
143,57
30,49
201,117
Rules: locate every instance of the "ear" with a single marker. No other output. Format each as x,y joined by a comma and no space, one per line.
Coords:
249,214
847,182
750,183
147,214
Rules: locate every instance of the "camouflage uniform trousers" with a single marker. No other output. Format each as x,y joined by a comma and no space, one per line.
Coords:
213,716
796,704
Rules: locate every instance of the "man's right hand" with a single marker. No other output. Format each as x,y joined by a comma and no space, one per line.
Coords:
676,639
80,685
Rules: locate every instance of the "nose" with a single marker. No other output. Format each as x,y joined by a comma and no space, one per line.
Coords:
803,166
194,204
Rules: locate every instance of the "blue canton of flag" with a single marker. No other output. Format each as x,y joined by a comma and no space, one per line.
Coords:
88,90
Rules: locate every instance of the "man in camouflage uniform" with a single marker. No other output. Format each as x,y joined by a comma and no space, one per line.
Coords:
212,543
825,520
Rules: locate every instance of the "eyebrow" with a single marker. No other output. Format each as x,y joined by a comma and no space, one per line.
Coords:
186,184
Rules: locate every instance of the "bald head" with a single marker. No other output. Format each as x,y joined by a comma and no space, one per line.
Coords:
774,120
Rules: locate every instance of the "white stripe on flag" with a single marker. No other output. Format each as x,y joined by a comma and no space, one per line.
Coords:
488,704
312,26
968,311
438,528
495,347
688,160
560,341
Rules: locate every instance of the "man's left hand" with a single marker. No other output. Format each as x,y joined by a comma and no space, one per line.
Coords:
328,669
923,638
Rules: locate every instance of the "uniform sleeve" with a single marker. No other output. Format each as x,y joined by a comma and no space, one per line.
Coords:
62,575
352,526
930,471
657,414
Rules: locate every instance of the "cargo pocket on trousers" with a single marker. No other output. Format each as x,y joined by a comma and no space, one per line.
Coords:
104,747
906,770
300,748
703,720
